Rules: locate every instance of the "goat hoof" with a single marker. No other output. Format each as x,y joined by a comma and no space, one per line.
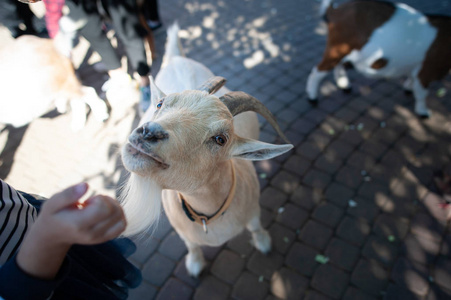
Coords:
347,90
313,102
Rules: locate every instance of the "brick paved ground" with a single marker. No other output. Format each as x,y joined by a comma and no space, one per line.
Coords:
390,242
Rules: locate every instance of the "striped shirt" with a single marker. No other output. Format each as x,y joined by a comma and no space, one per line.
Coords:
16,217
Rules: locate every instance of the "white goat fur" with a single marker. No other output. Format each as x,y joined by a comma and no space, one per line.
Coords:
200,170
35,77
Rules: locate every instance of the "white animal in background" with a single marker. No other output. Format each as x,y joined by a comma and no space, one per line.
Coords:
384,40
35,77
192,150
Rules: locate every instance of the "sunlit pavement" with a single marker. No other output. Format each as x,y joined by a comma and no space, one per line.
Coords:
350,210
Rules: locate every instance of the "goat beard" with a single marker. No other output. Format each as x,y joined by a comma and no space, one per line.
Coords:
141,201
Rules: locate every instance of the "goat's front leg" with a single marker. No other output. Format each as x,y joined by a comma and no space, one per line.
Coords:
261,237
341,78
313,81
97,105
420,93
78,108
195,261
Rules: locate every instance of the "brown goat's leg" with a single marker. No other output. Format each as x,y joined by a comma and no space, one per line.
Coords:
195,261
261,237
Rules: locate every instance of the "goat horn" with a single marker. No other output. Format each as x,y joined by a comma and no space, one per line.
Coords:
238,102
213,84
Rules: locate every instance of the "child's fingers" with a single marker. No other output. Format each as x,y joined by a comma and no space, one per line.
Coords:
100,228
97,210
67,197
115,230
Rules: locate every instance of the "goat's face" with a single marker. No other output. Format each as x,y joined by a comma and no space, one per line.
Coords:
188,134
184,136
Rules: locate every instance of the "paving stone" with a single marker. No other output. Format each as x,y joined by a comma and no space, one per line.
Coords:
143,291
228,266
241,244
249,287
365,209
265,265
371,188
341,149
285,182
302,259
286,284
315,295
211,288
292,216
316,179
272,198
266,217
328,214
342,254
181,273
309,150
330,281
268,167
163,228
297,165
427,227
381,250
306,197
328,162
420,249
442,272
412,276
339,194
173,247
353,293
431,203
158,269
386,226
395,292
175,289
437,293
210,253
375,150
346,114
282,237
360,160
349,176
315,234
370,277
303,125
353,137
145,247
355,231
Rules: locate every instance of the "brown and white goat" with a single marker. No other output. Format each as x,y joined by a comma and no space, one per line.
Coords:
192,151
35,76
384,40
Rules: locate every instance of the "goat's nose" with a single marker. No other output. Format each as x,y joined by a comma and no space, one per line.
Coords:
152,132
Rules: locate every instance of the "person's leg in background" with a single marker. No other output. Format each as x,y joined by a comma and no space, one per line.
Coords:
151,14
125,20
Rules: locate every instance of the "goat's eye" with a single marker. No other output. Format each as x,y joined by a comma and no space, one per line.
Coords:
160,104
220,140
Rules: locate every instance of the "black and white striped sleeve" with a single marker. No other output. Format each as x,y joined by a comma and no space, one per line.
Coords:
16,217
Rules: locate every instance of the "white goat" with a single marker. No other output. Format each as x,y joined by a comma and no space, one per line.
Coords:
35,76
191,153
384,40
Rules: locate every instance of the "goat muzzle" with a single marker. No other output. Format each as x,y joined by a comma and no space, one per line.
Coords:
238,102
152,132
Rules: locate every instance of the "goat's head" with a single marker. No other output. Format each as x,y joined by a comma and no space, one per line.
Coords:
189,133
180,142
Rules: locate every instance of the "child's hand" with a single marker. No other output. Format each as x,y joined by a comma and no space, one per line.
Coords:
64,221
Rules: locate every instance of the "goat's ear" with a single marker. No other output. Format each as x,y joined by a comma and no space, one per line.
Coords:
155,93
255,150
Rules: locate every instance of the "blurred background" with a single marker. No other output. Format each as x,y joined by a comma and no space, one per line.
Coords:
353,210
